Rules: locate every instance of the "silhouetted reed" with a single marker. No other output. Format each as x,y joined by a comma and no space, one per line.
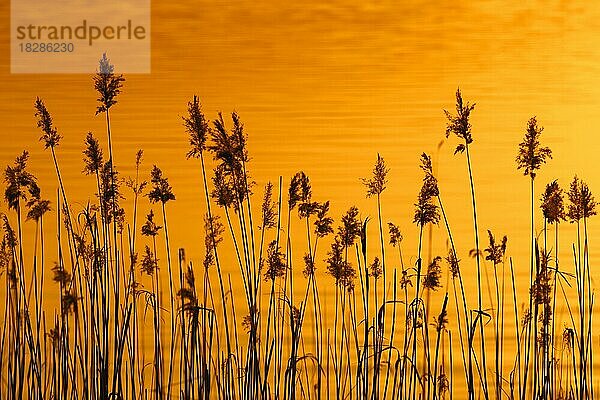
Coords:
460,125
530,157
262,331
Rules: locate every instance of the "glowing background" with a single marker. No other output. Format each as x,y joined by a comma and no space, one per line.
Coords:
324,88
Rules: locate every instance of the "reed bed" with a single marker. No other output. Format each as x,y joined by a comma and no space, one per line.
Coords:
136,320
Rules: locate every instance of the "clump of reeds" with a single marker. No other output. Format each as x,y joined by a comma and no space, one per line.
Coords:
116,331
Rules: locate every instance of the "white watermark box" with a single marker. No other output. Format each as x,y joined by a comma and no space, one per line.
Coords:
69,36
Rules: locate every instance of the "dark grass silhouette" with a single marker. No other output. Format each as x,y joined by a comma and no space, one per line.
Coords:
390,335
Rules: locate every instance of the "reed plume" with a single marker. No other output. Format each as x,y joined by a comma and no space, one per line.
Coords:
20,183
197,127
93,157
107,84
552,206
376,184
460,124
426,210
340,269
531,154
433,275
581,201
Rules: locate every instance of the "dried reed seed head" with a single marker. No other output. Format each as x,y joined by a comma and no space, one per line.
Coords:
276,262
552,205
375,268
338,267
110,193
426,164
37,208
189,299
415,319
588,204
268,208
543,338
149,262
104,66
545,316
309,266
300,190
9,233
459,124
541,290
93,157
239,135
11,275
495,251
426,211
405,280
568,338
20,183
441,321
99,258
223,192
526,319
107,84
196,125
376,184
6,255
66,212
190,278
161,189
433,276
429,180
119,216
61,276
296,317
136,187
214,230
531,154
69,302
186,294
50,135
209,259
213,235
351,227
307,209
229,150
81,245
109,181
582,203
574,211
443,384
395,234
249,320
453,263
150,228
323,223
54,335
545,257
139,155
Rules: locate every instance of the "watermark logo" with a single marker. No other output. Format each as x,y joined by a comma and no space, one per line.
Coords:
68,36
